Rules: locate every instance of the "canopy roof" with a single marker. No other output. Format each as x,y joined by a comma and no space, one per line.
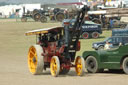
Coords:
42,31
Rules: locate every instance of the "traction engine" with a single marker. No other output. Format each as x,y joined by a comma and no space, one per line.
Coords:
56,48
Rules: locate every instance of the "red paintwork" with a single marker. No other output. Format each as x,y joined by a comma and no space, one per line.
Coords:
78,46
52,50
67,64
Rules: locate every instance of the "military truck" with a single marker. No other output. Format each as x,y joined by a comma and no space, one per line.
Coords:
89,29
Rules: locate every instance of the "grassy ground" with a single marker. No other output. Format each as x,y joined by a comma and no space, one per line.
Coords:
14,47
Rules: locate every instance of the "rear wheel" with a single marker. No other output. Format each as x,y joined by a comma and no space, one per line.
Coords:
24,19
55,66
125,65
95,35
59,17
43,19
35,59
91,64
37,16
80,66
85,35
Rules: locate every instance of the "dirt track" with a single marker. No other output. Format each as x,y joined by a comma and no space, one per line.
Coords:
13,61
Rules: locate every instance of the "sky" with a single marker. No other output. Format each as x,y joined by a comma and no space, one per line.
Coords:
37,1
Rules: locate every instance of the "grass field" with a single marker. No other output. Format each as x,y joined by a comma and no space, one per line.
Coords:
14,47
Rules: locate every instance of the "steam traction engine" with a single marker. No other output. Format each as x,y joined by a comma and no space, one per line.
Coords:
56,48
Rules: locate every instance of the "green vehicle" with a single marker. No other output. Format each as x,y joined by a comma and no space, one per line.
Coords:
114,58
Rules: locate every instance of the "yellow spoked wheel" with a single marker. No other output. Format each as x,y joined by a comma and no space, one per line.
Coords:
35,59
55,66
79,66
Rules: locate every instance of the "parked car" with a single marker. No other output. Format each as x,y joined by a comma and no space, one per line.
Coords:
113,59
114,40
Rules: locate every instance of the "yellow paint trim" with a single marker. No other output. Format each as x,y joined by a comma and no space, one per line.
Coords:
79,66
53,66
31,64
36,33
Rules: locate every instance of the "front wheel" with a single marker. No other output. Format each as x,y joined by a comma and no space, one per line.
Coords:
79,66
91,64
35,59
55,66
125,65
43,19
100,47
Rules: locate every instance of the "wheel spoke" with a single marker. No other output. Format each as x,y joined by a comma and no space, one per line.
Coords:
79,66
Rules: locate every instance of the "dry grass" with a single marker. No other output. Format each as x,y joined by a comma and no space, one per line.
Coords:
14,46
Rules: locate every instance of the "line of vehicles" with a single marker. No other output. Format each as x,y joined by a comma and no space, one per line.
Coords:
56,49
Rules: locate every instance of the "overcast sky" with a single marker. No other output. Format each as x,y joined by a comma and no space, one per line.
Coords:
37,1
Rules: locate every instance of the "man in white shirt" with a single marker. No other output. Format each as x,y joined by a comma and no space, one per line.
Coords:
108,45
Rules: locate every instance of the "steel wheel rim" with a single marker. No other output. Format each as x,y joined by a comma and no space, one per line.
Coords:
126,65
79,66
85,35
91,64
53,67
32,59
95,35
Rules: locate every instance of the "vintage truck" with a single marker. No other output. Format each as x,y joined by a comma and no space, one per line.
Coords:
115,58
89,29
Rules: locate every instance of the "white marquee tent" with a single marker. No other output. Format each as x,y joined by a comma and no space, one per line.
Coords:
8,10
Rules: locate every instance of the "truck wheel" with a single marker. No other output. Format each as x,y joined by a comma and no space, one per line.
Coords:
59,16
91,64
23,19
35,59
85,35
95,35
37,16
43,19
125,65
55,66
100,47
123,26
79,66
